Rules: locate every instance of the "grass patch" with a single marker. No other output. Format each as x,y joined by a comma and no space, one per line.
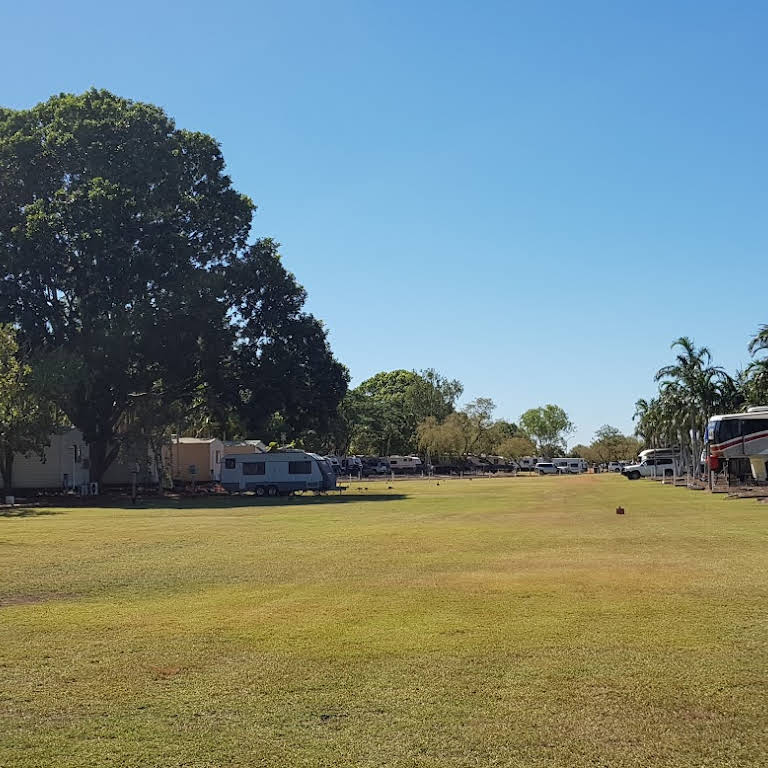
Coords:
515,622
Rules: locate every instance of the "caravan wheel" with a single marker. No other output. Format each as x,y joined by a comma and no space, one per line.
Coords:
260,490
272,490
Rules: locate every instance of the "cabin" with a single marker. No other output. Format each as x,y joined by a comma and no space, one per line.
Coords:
65,465
194,459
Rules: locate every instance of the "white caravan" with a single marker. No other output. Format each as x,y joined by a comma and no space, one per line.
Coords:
528,463
737,436
571,466
405,464
277,472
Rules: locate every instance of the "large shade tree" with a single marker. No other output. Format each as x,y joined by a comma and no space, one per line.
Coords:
384,412
123,248
549,426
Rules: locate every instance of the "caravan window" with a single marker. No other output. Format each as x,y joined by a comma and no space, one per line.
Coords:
300,467
254,468
230,463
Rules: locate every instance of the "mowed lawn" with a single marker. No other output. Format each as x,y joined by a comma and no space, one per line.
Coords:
509,622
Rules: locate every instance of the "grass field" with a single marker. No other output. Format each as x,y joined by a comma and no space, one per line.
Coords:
515,622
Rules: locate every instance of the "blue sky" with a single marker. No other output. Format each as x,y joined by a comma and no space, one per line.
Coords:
535,198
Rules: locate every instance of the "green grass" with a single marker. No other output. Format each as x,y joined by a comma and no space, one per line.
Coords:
515,622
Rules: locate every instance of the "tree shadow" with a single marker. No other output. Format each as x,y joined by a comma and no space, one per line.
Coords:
28,512
237,502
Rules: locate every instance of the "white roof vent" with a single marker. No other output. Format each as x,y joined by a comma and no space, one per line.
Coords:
758,409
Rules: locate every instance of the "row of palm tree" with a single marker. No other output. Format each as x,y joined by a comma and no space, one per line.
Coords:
692,389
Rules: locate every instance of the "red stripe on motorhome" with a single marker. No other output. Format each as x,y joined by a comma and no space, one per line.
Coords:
733,443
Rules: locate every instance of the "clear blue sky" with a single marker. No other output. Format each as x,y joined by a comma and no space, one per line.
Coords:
534,198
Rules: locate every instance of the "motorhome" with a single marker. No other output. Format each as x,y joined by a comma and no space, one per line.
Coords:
277,472
405,464
737,436
572,466
528,463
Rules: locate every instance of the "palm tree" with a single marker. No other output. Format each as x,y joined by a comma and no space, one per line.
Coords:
756,376
689,394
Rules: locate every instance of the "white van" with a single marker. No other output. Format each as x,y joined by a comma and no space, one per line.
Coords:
277,473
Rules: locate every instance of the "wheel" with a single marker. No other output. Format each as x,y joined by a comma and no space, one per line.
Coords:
634,475
260,490
668,473
541,472
272,490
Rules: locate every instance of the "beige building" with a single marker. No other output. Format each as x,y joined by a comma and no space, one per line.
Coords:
65,464
194,459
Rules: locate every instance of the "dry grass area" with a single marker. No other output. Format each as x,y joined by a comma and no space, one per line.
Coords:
516,622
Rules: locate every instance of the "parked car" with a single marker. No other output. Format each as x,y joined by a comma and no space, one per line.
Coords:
661,466
546,468
614,466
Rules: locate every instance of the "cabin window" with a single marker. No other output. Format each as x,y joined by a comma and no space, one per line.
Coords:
663,461
254,468
299,467
230,463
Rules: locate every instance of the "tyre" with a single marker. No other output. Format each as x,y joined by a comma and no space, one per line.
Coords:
668,473
634,475
260,491
272,491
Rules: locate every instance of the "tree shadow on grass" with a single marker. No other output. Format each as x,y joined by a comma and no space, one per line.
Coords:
236,502
27,512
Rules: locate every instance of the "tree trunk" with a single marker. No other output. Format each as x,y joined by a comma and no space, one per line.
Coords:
101,456
7,471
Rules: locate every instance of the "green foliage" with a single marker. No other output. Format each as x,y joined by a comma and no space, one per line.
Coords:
27,416
123,247
383,414
755,380
691,389
515,448
609,444
549,427
469,431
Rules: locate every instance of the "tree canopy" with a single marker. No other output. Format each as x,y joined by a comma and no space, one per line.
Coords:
123,248
549,426
384,412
